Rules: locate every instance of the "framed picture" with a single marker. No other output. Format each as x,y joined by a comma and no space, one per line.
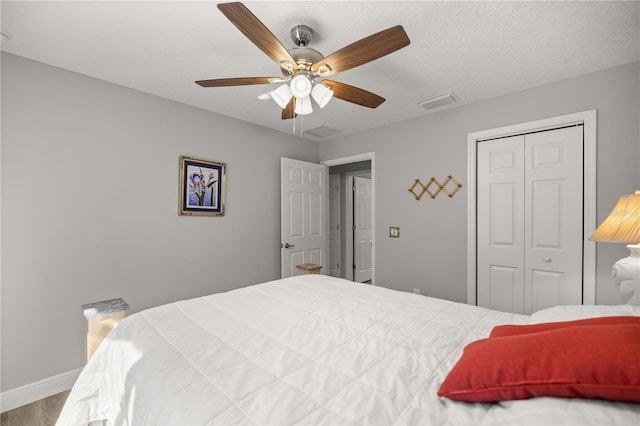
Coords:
202,187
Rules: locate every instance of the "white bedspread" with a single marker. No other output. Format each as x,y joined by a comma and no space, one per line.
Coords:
305,350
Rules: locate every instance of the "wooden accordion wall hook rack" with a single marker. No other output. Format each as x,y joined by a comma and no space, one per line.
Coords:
439,187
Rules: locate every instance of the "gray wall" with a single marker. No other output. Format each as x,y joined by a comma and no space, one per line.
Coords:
89,176
90,208
431,251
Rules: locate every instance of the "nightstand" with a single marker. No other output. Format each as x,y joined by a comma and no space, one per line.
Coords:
308,268
101,318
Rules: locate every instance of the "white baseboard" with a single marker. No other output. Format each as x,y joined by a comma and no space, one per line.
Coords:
35,391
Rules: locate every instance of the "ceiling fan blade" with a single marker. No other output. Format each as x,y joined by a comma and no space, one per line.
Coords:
353,94
362,51
258,33
241,81
289,111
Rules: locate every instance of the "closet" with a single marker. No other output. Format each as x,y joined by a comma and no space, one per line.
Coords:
529,227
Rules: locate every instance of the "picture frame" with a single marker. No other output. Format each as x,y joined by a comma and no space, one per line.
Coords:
202,187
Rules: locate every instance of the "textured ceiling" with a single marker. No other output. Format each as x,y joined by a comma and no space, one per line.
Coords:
476,49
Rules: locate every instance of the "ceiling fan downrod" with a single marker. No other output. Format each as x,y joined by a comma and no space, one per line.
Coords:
301,35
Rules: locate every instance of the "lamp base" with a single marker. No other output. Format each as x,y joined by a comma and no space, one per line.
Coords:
626,274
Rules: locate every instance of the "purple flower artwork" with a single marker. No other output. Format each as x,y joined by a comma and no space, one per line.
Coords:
202,187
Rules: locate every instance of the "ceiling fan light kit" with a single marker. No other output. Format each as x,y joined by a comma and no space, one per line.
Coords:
300,86
321,94
282,95
303,106
301,65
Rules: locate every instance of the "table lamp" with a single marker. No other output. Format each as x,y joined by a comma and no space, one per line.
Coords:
623,226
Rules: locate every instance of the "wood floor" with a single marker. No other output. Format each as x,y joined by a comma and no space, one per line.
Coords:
40,413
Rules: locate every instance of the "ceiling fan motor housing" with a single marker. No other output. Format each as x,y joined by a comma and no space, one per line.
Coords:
305,57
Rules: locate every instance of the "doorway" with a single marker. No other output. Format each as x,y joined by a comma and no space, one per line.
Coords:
351,248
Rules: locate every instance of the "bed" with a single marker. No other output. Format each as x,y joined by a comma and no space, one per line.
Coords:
313,349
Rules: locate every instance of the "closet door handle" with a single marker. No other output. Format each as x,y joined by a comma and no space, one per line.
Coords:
287,245
547,259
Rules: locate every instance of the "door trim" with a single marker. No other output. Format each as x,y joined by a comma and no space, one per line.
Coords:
348,187
588,120
371,156
336,177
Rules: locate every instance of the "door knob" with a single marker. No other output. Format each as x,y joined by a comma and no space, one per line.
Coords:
287,245
547,259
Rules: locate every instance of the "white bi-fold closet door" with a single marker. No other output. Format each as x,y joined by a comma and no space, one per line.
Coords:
530,220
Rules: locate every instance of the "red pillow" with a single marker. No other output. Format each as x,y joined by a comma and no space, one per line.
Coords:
513,330
595,361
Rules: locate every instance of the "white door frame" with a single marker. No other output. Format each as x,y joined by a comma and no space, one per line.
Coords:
368,156
588,119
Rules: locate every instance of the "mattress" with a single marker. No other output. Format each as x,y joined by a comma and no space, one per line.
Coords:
310,349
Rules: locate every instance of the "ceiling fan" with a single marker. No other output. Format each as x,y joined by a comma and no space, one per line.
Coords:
301,66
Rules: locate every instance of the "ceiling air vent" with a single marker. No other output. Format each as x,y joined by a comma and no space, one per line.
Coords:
439,100
322,131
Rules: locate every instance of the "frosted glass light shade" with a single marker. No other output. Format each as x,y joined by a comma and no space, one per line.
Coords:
300,86
303,106
321,94
282,95
623,223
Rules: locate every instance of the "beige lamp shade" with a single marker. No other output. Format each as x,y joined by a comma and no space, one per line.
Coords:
623,224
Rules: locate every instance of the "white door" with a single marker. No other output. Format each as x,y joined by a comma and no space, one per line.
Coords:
334,227
530,200
553,226
362,232
500,228
302,215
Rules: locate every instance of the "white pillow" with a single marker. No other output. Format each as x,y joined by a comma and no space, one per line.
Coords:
576,312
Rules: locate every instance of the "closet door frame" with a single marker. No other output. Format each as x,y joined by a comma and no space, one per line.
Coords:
588,120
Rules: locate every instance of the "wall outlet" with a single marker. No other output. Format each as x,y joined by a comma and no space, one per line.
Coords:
416,290
394,231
